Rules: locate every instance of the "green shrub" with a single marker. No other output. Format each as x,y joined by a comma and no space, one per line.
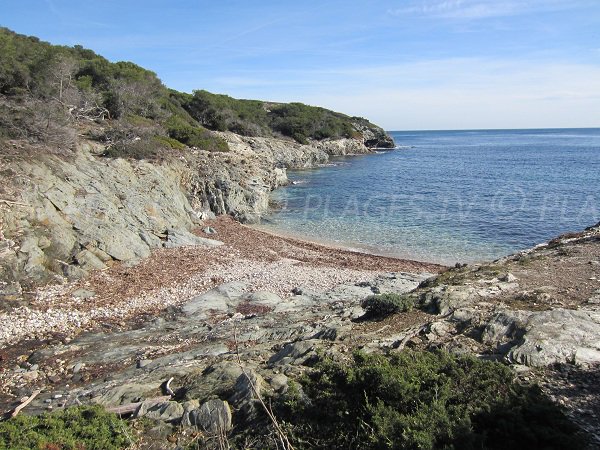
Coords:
149,149
195,136
422,400
87,428
385,304
169,142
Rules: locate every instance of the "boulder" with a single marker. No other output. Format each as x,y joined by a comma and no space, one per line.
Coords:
294,353
220,299
183,238
559,336
213,417
165,411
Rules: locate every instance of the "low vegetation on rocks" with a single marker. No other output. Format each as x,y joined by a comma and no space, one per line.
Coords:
382,305
73,428
422,400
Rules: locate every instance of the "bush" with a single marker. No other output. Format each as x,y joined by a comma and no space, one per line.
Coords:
73,428
382,305
422,400
149,149
195,136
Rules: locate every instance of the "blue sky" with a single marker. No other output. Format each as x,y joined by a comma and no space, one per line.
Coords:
412,64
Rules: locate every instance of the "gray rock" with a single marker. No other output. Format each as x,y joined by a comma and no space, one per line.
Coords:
248,388
326,334
83,293
220,299
508,278
560,335
165,411
293,353
143,363
182,238
214,417
209,230
264,298
77,367
89,261
279,382
218,379
188,407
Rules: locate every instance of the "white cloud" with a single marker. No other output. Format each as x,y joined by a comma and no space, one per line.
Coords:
470,93
480,9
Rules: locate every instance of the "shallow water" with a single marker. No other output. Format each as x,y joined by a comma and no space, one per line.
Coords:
449,196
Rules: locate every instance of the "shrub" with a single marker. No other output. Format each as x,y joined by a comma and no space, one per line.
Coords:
150,149
73,428
382,305
195,136
169,142
422,400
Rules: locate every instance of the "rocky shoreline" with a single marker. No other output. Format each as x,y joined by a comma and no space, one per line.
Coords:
70,215
277,303
155,288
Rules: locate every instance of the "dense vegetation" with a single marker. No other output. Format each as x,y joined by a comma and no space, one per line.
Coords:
256,118
46,90
422,400
89,428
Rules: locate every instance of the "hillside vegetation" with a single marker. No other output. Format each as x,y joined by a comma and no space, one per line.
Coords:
46,89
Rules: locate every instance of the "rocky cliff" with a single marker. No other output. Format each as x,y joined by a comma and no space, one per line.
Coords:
67,215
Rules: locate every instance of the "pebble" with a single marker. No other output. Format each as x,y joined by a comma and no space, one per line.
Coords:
77,367
143,363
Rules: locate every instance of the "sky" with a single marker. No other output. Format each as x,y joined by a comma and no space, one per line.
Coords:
405,65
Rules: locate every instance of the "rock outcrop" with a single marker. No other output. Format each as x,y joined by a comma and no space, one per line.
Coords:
83,212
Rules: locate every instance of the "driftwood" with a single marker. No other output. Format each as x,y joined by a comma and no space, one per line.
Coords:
10,202
168,388
131,408
18,409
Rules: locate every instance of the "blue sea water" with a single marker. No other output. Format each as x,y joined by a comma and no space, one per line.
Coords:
449,196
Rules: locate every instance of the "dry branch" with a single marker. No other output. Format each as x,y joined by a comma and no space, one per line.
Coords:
25,403
280,433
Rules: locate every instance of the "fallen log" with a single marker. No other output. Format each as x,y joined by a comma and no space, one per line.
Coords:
131,408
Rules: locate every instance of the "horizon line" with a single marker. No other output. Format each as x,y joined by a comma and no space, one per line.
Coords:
495,129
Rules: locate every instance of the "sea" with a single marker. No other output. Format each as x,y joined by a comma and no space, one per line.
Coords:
448,196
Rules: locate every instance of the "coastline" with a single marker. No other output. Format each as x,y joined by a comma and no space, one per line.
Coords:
124,295
344,246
